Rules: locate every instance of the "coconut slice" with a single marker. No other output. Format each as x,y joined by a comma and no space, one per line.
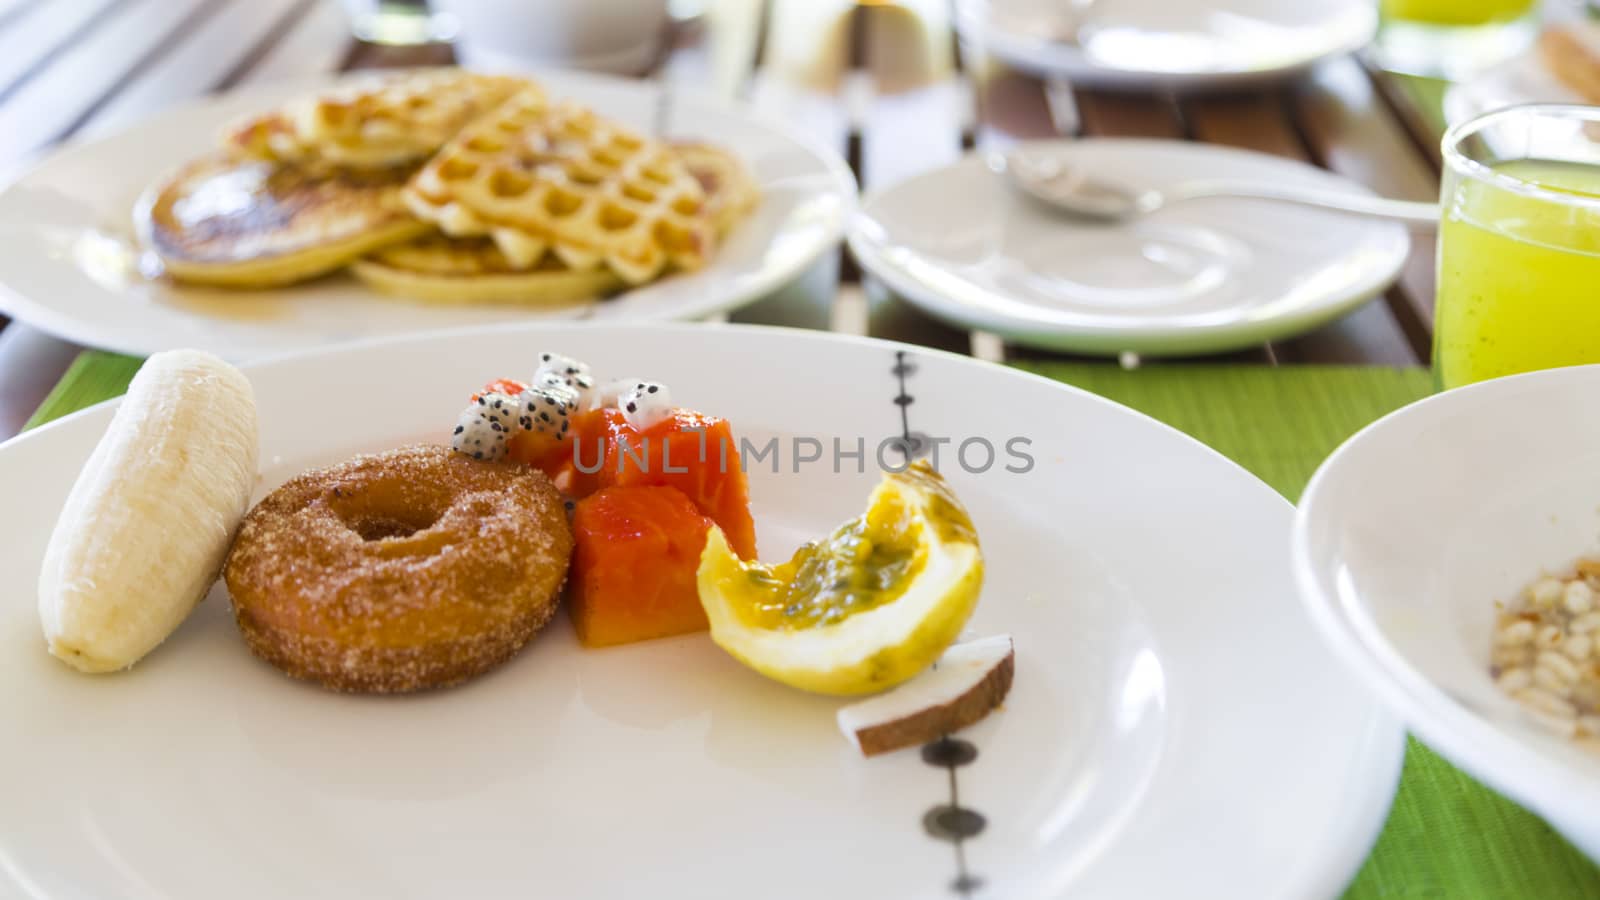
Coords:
968,681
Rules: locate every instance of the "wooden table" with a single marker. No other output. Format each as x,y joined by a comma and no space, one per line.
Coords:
889,87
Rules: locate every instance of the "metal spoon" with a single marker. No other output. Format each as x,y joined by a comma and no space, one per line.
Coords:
1081,195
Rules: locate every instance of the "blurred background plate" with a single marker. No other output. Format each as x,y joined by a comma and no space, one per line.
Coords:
1134,43
1200,276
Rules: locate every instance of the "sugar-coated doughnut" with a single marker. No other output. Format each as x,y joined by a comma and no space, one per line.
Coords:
400,571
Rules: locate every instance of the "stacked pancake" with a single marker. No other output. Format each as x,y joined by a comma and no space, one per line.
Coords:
446,186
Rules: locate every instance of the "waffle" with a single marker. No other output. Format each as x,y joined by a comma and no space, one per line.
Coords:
556,179
387,120
440,269
252,224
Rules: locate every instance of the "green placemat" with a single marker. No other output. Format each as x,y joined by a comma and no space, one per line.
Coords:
1447,836
94,376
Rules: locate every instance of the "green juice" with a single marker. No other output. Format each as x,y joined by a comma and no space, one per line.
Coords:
1455,12
1519,276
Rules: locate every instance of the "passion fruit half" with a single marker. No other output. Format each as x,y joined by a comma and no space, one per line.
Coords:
862,610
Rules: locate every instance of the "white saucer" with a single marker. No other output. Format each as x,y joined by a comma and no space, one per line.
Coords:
1197,277
1139,43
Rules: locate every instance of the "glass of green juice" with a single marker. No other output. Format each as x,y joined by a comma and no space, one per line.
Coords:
1453,38
1519,244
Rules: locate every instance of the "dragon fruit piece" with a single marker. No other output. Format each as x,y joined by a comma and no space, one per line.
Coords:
566,365
606,395
645,403
546,411
576,392
557,369
483,428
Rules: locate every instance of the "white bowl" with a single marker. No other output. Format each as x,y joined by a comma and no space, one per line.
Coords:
1412,530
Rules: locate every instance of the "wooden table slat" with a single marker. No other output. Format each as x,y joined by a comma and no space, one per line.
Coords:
12,10
1010,106
1351,131
1398,93
379,56
32,36
1120,114
93,70
1260,122
317,41
209,57
1254,121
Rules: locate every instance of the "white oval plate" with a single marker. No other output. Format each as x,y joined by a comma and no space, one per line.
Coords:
1196,277
1158,43
70,265
1413,529
1170,701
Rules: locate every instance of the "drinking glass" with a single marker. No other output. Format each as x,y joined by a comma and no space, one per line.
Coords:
1519,244
1453,38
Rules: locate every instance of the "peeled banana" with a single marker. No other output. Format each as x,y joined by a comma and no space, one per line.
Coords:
146,527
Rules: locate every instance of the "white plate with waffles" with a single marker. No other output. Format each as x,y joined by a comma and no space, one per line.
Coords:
75,265
1170,702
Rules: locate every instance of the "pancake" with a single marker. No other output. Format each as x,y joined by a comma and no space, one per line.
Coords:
438,269
255,224
731,193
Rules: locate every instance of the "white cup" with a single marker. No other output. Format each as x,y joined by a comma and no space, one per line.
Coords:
621,36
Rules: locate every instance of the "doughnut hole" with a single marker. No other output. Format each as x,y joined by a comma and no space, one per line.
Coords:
396,518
